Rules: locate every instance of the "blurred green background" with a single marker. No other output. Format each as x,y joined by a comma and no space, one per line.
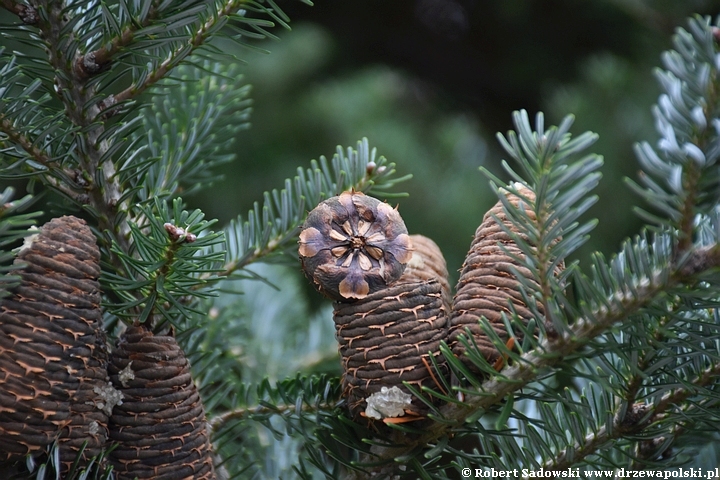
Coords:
429,82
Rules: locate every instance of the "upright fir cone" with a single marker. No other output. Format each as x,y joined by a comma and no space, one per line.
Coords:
353,245
160,428
53,357
427,263
487,284
385,339
355,249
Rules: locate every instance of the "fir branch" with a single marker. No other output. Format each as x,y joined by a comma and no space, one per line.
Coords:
678,178
197,40
691,179
165,274
104,191
561,186
217,422
189,129
637,418
7,127
27,13
93,62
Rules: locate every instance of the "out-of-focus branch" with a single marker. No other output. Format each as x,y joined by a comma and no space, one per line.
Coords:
27,13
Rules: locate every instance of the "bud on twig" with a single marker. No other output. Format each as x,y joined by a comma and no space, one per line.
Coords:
179,234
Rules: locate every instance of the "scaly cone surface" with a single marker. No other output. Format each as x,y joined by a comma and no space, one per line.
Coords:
160,426
53,357
428,263
488,285
386,339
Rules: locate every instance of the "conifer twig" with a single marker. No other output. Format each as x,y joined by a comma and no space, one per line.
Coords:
272,246
103,196
637,418
217,422
39,156
27,13
6,127
197,40
93,62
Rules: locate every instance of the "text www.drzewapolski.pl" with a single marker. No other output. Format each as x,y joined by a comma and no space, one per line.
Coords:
576,473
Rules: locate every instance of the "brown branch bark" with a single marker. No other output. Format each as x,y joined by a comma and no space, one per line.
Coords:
27,13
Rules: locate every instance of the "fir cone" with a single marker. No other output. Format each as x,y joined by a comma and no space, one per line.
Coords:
487,284
428,263
385,339
53,357
160,426
353,245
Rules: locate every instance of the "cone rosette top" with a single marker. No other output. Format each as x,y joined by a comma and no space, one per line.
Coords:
353,245
53,357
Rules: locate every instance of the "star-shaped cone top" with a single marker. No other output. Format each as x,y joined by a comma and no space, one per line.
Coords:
353,245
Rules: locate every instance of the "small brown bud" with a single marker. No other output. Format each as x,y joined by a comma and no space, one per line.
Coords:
28,14
353,245
179,234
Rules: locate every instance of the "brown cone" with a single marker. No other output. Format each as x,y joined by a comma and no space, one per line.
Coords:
487,283
428,263
160,426
385,337
53,357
